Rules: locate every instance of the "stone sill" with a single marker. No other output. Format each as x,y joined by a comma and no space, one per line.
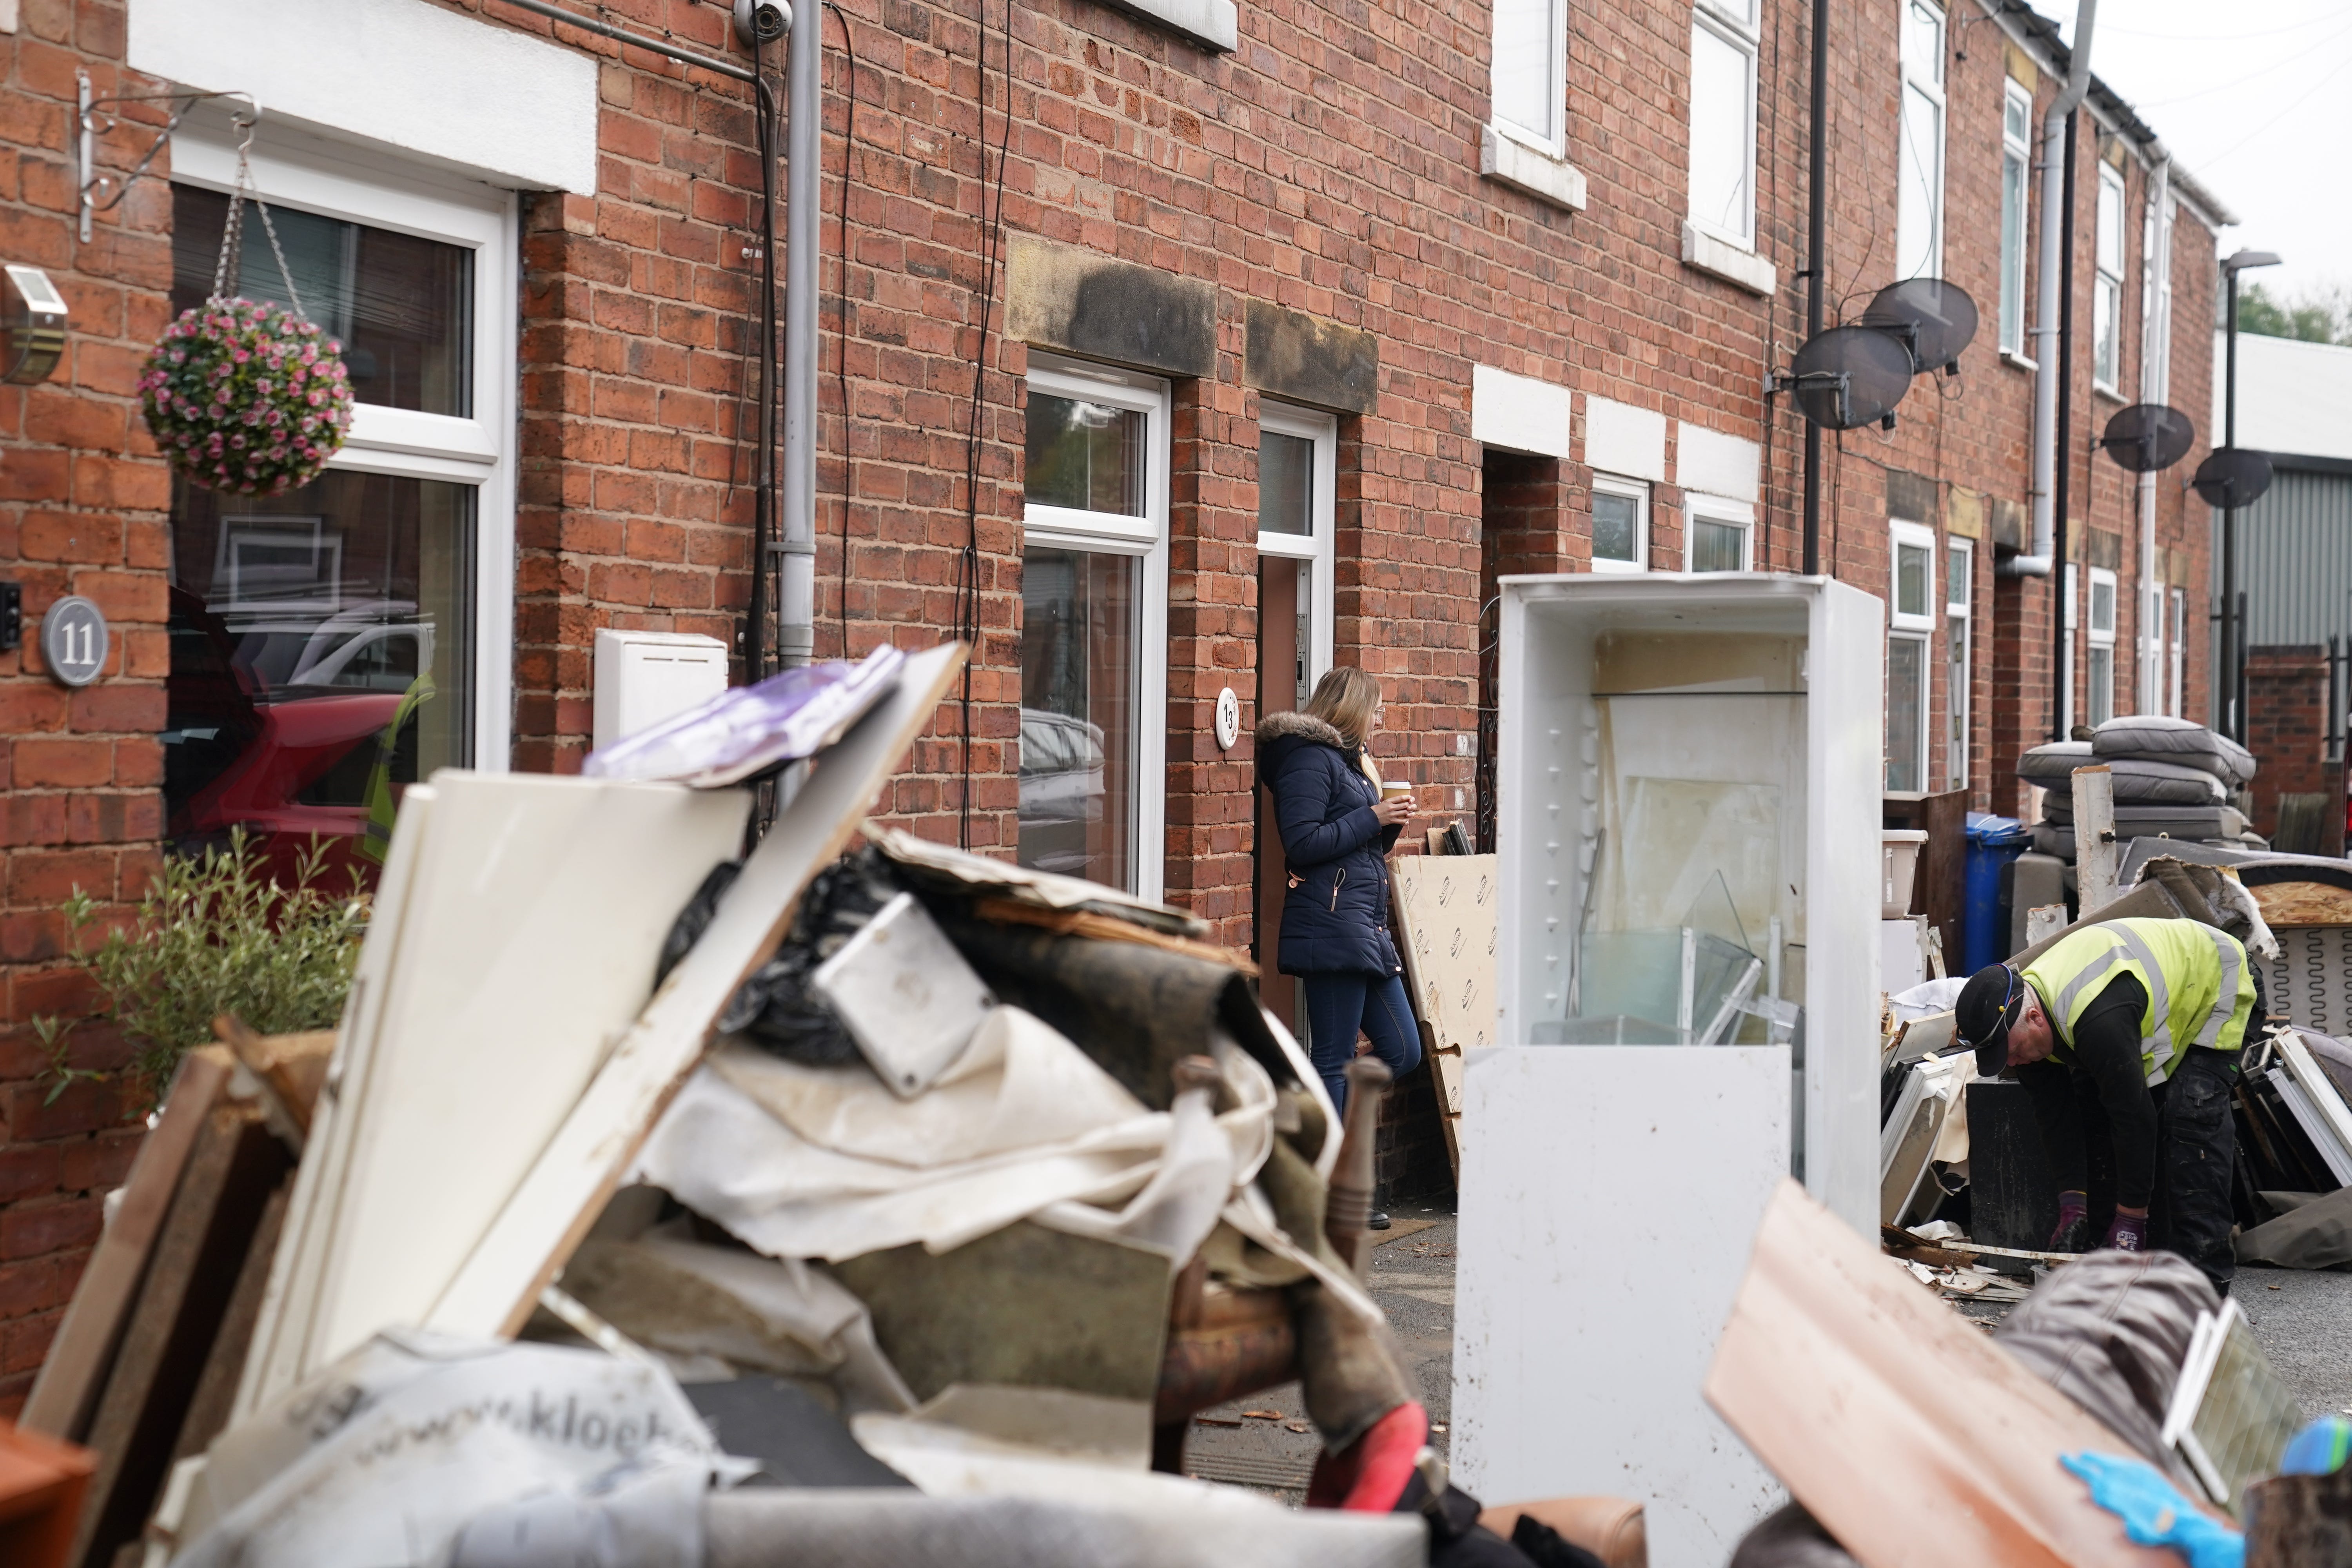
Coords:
1212,23
2019,362
1719,258
1510,161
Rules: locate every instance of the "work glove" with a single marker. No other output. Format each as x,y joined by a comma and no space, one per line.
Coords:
2129,1233
2074,1232
2154,1514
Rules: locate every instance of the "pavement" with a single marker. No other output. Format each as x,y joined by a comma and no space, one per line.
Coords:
2304,1321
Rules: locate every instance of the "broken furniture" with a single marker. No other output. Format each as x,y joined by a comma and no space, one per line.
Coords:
1689,825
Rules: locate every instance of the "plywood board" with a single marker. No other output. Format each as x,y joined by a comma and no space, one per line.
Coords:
1603,1189
1911,1436
2303,903
567,1186
533,924
76,1367
1445,908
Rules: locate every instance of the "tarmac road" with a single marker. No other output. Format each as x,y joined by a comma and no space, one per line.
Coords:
2304,1320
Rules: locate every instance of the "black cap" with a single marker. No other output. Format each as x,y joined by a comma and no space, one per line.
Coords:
1989,1005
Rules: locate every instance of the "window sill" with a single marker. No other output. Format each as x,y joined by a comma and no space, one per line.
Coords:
1507,161
1705,253
2109,392
1610,566
1212,23
2018,361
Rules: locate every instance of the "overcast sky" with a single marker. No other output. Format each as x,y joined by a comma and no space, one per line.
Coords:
2255,99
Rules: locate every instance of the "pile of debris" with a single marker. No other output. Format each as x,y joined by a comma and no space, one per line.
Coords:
955,1186
2174,778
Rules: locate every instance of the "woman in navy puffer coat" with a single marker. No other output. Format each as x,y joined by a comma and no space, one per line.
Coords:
1335,833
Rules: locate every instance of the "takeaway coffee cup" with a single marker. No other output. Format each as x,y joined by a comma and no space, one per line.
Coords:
1396,790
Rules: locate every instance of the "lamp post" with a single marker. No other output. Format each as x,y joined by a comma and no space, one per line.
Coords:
2233,631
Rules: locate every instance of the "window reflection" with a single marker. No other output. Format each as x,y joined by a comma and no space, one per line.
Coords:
1088,456
1285,484
1078,678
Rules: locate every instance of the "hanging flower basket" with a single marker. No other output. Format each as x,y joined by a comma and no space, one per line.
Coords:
246,397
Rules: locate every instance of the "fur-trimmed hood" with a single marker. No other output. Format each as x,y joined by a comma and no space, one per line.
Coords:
1300,726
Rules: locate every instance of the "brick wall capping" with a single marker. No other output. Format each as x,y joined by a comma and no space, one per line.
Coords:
1086,304
1308,359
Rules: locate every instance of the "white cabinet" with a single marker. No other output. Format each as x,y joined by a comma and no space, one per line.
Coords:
1689,826
643,678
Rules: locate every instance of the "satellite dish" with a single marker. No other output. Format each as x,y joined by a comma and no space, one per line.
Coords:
2148,438
1934,319
2232,477
1851,376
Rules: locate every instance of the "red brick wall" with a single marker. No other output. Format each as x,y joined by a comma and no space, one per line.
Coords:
2287,728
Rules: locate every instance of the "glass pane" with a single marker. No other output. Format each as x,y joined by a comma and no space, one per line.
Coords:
2017,118
2111,225
1722,85
1923,42
1718,546
1526,49
1088,456
1616,528
1285,483
321,660
1956,702
2102,666
2107,329
2012,252
402,307
1910,579
1956,574
2102,604
1077,713
1919,204
1906,679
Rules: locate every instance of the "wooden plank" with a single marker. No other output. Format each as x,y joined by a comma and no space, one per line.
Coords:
76,1367
1913,1438
234,1166
216,1392
1107,928
290,1069
567,1188
289,1301
2094,836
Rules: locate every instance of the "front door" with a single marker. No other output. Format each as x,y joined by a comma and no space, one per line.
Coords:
1284,639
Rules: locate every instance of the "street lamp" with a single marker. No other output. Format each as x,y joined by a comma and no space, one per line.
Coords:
2232,630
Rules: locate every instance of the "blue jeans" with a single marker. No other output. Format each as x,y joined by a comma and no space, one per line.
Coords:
1338,1006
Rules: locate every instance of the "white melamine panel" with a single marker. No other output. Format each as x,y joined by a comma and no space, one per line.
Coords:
1717,463
1608,1195
531,934
1518,413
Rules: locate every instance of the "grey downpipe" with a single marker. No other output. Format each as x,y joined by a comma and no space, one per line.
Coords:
2045,308
2154,386
796,541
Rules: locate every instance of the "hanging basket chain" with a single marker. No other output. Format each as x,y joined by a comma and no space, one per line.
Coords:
232,250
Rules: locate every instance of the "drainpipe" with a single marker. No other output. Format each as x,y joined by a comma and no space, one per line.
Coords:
2046,302
2154,386
796,543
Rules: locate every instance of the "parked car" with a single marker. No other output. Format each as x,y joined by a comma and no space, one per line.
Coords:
1061,791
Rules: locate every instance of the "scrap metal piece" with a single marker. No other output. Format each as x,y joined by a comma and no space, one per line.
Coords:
906,995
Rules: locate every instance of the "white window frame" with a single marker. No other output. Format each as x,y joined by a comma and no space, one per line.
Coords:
1144,537
2016,154
2102,637
2071,610
1731,25
1638,492
1959,660
2107,282
1320,551
358,186
1915,627
1926,77
2179,649
1698,509
1551,140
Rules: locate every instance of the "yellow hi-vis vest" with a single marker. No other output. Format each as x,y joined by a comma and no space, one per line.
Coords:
2201,989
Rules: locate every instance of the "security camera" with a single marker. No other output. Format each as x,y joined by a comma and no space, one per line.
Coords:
760,22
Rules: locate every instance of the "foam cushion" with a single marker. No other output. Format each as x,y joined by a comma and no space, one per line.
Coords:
2151,737
2053,766
2139,783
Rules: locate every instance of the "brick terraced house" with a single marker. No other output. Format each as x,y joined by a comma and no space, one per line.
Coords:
1174,346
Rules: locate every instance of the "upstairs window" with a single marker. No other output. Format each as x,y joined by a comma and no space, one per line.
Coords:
1722,119
1531,73
2016,180
2108,299
1919,192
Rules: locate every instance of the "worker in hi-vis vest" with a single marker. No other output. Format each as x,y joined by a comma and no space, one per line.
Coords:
2126,1037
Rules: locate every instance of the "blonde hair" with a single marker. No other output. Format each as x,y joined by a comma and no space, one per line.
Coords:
1345,699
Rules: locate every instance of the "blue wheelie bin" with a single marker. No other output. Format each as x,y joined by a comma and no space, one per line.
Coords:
1993,842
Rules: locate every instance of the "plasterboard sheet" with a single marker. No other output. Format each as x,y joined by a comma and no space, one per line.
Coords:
1576,1369
533,925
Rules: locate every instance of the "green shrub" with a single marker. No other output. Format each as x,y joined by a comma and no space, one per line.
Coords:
214,934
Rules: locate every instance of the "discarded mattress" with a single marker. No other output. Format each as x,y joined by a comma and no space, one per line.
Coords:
2150,737
2139,783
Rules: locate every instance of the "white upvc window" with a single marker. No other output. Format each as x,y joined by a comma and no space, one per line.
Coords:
1920,189
1297,477
2016,185
1620,524
1722,119
1094,626
2071,611
2178,650
380,594
2107,290
1529,81
1911,621
1959,584
2100,662
1717,533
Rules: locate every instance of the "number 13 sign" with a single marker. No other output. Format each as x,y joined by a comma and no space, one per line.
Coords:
74,641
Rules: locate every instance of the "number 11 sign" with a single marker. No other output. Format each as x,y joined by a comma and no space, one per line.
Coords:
74,640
